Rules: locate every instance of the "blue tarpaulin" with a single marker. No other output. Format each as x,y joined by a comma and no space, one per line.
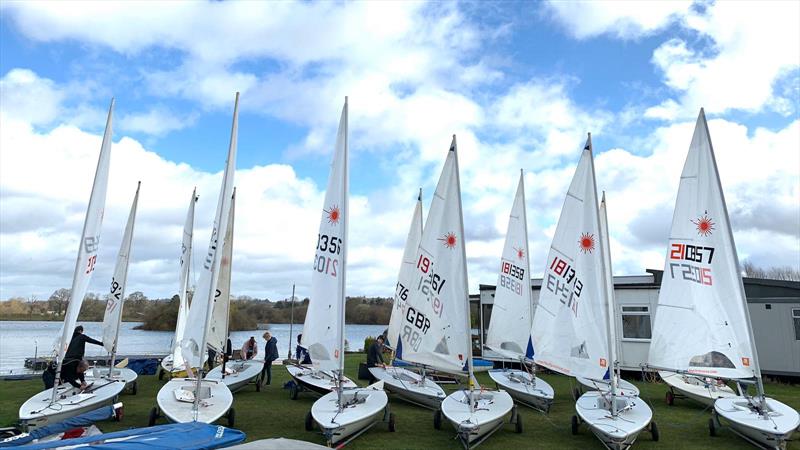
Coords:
186,436
81,420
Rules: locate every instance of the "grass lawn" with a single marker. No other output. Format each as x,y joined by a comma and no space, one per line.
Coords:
270,413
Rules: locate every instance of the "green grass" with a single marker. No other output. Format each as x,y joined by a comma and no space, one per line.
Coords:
270,413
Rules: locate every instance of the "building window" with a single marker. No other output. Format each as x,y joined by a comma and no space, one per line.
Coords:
636,322
796,318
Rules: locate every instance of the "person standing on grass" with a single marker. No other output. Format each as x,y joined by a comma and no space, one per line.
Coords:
270,354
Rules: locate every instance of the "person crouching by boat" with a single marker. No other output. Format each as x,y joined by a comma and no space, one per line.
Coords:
250,348
76,350
74,375
300,353
49,375
375,356
270,354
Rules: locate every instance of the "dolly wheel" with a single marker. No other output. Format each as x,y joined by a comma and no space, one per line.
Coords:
231,417
670,398
437,419
134,388
654,431
309,422
151,420
258,384
392,427
576,394
518,424
575,425
712,428
293,391
160,374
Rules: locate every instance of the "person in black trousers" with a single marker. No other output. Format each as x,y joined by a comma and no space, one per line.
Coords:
270,354
375,356
76,350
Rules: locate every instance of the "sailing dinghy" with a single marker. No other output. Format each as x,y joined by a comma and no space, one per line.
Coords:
704,390
168,364
195,399
113,315
702,324
437,315
345,413
510,327
413,387
64,401
572,327
236,374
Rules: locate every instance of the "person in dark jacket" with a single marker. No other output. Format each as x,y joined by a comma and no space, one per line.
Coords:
49,375
74,374
300,353
375,356
76,351
270,354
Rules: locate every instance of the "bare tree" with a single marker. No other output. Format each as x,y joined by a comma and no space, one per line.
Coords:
785,273
59,299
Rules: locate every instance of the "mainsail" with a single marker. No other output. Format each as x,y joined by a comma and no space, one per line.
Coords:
323,331
510,328
435,331
407,269
218,332
183,290
89,243
701,323
194,340
569,325
116,298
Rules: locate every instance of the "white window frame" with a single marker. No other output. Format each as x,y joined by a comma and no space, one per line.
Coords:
623,313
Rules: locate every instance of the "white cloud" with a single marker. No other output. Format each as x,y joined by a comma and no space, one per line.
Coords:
157,121
26,96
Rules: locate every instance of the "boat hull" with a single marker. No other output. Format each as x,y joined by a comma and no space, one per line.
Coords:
771,431
473,427
410,386
316,381
124,375
36,411
240,373
216,400
364,408
524,388
697,389
178,371
624,387
616,433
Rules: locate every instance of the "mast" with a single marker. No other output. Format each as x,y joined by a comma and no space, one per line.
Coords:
225,273
345,226
528,294
609,288
291,322
756,365
118,286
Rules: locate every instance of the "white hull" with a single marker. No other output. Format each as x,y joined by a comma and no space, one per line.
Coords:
524,388
180,369
238,373
316,381
702,390
37,411
216,400
772,431
364,407
125,375
624,387
410,386
492,409
616,433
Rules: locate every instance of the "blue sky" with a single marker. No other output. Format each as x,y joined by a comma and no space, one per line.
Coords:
520,83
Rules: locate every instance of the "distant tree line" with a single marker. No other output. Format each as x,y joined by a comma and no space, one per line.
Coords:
785,273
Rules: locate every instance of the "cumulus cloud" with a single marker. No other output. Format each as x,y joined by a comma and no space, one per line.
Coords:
29,97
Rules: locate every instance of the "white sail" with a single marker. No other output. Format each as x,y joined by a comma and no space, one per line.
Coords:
701,322
90,241
608,277
510,327
435,331
569,325
116,298
183,289
407,269
218,332
323,331
194,340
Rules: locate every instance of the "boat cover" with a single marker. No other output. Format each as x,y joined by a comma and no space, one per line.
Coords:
81,420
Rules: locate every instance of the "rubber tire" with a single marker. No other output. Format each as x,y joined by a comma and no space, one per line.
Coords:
712,428
575,425
670,398
135,388
258,385
293,391
231,418
153,417
576,394
437,419
654,431
309,422
518,425
160,374
392,426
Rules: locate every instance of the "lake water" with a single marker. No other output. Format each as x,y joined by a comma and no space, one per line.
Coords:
20,340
